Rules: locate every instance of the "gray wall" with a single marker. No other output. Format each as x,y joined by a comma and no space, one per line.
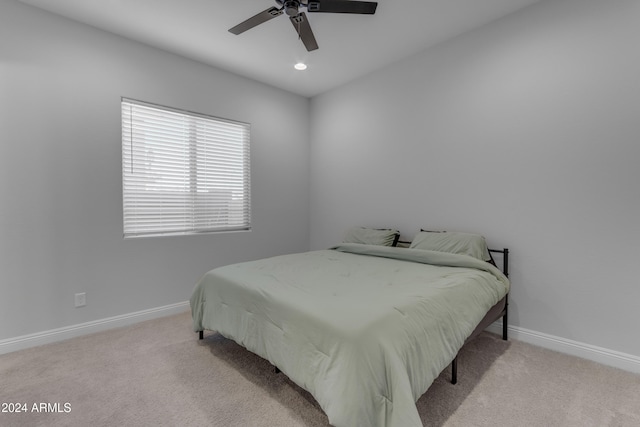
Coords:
60,172
527,131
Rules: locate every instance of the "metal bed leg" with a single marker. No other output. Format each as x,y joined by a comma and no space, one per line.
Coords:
505,323
505,318
201,334
454,370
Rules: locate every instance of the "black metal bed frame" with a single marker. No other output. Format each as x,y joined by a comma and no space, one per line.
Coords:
489,318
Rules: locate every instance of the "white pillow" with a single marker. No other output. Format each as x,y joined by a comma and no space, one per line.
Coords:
452,241
371,236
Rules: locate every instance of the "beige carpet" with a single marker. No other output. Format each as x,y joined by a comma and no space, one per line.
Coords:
157,373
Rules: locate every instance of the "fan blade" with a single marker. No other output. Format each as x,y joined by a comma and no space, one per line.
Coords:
342,6
301,24
255,20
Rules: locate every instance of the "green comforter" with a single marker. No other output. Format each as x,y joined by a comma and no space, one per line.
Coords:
365,329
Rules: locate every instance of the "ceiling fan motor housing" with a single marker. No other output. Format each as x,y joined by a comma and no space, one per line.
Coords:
291,7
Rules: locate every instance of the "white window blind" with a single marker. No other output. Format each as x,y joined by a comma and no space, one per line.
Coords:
183,173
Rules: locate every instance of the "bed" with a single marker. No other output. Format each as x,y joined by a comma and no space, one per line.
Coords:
365,328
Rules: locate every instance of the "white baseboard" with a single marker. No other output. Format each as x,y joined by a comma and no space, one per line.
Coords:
605,356
54,335
601,355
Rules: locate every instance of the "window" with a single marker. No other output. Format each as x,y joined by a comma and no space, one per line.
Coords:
183,173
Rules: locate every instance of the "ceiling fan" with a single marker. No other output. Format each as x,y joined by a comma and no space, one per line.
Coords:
299,19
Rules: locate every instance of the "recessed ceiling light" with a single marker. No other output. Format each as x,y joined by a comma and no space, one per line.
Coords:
300,66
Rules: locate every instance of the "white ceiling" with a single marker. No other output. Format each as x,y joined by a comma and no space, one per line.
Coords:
350,45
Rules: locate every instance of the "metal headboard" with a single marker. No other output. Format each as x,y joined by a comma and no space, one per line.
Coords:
505,259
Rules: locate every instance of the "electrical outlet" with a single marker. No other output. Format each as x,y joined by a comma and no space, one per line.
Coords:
81,299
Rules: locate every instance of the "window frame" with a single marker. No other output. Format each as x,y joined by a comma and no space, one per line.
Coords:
205,189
